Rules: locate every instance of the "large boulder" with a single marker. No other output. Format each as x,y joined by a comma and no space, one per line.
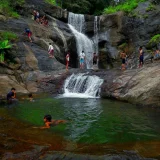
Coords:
136,86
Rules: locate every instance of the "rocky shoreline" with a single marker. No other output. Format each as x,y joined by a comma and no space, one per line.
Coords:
137,86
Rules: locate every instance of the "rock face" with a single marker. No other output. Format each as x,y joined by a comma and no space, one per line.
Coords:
125,32
141,86
32,59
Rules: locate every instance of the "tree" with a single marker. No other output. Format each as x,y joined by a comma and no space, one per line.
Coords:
85,6
3,47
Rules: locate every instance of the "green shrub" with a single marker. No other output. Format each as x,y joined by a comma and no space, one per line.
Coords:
155,39
53,2
8,36
122,46
128,6
7,7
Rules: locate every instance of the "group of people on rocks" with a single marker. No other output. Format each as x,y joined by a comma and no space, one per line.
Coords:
40,19
82,58
123,56
43,20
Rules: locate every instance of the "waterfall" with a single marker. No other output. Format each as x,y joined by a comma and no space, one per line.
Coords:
82,86
76,23
96,37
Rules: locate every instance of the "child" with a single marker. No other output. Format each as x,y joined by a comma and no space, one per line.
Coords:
30,96
49,122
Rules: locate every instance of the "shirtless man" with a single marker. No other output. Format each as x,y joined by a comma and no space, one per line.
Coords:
123,57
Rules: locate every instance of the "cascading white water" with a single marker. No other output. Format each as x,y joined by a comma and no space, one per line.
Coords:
96,37
82,86
77,25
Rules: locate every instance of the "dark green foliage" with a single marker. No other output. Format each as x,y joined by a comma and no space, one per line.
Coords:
8,36
3,47
7,7
82,6
154,41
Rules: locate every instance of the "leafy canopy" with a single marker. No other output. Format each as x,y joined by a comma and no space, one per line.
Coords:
126,6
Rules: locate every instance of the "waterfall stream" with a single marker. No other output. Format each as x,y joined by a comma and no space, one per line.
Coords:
96,37
82,86
76,23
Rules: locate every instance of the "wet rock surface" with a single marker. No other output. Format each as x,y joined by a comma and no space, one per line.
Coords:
41,153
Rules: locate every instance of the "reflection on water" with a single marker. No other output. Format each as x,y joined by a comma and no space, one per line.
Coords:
83,114
101,123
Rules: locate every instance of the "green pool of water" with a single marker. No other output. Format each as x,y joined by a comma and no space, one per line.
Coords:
93,121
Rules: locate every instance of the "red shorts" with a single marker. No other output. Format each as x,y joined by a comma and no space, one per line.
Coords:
29,34
51,52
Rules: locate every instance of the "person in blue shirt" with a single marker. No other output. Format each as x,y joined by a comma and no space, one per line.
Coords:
11,96
29,34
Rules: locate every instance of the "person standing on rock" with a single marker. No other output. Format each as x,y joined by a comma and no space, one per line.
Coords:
82,59
37,16
50,50
29,34
95,57
123,57
141,57
67,60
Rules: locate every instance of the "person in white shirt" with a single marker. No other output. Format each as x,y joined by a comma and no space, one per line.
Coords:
50,50
82,58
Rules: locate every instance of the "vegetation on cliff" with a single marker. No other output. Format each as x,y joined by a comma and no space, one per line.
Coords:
5,35
7,7
6,38
127,6
154,41
97,6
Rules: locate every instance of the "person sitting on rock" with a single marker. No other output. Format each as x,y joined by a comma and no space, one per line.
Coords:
45,23
49,122
11,96
50,50
34,14
157,54
29,33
